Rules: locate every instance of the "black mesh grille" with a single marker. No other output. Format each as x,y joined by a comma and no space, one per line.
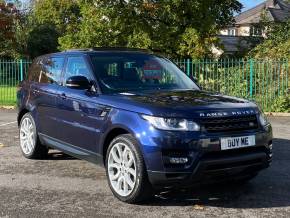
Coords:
229,124
235,152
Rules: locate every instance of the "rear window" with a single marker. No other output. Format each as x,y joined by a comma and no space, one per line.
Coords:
52,69
46,70
34,70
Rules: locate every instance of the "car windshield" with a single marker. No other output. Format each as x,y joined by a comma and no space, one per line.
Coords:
125,72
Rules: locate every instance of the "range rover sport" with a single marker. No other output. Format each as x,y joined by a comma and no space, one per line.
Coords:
142,118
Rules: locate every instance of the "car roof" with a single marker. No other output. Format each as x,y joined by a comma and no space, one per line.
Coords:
101,49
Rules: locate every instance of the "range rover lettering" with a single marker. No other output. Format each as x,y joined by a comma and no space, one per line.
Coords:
142,118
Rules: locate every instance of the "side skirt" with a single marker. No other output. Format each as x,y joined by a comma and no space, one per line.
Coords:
72,150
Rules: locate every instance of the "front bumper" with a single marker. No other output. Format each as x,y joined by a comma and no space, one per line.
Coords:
207,162
216,167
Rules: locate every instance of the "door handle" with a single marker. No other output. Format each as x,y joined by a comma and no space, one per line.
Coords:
34,91
63,95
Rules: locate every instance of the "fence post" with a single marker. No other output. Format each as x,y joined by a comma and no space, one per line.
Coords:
188,67
251,76
21,70
287,73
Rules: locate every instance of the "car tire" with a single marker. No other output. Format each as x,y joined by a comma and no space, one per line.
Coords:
126,184
29,142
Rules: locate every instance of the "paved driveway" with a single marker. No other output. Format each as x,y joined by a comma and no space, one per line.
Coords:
62,186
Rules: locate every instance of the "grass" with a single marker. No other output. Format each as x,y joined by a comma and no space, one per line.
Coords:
7,95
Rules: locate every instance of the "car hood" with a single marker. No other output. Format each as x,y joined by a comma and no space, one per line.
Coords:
186,103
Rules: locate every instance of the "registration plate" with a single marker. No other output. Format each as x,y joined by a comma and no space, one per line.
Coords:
237,142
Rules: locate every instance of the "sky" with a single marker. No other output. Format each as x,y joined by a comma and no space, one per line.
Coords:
250,3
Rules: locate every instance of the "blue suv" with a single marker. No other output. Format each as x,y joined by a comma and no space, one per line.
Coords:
142,118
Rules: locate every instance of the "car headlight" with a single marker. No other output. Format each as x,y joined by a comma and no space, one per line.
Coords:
263,119
172,123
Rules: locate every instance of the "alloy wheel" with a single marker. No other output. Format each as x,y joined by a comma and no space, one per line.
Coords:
27,136
122,169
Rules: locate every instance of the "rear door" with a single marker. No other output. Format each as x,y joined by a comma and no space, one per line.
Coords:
78,110
44,91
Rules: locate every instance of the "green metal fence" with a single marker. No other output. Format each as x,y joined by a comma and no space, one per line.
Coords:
11,73
260,80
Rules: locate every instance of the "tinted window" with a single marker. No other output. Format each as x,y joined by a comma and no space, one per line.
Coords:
76,66
119,72
52,69
34,71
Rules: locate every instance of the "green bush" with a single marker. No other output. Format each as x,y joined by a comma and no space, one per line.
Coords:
282,104
277,43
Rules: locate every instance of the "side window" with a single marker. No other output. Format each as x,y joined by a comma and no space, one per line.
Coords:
34,71
76,66
52,69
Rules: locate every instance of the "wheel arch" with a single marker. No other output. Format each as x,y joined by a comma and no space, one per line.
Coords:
113,133
21,113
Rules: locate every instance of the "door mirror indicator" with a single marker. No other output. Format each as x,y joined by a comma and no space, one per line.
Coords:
78,82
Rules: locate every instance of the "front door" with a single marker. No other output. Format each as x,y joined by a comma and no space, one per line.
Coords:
79,112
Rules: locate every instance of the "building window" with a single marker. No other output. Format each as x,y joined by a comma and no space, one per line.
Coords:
231,32
255,31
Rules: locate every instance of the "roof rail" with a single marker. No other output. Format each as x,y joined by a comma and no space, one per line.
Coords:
107,49
78,49
119,48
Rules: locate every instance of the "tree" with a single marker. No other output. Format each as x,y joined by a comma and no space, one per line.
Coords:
60,13
179,27
8,14
42,39
38,27
277,42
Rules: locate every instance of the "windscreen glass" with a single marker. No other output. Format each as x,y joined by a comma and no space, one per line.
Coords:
125,72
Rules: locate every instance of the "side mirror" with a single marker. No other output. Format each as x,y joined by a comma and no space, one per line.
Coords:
78,82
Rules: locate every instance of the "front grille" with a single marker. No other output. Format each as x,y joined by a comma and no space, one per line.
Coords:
229,124
223,166
235,152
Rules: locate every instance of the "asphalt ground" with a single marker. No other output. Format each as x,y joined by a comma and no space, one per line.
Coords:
62,186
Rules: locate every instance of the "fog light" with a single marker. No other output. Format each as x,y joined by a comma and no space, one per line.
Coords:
178,160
